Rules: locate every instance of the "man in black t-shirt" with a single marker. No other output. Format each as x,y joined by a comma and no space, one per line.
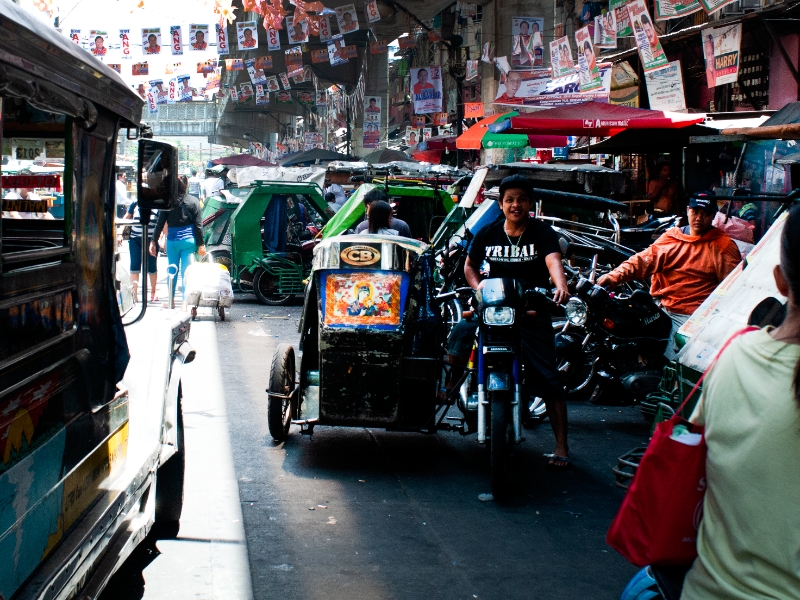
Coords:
524,248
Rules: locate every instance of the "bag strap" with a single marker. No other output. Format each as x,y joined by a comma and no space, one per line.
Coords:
713,362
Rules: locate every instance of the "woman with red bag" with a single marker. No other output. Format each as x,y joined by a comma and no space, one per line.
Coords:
749,538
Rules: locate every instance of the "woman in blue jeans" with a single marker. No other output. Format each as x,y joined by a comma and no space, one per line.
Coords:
184,235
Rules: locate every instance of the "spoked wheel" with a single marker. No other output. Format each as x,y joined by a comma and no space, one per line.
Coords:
265,285
501,443
451,314
578,375
281,381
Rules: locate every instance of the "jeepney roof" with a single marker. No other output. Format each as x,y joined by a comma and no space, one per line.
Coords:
412,245
32,47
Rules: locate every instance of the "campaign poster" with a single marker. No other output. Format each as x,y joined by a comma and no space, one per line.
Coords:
172,68
285,81
172,91
651,53
245,92
371,10
151,41
206,66
294,62
526,40
303,76
665,88
335,51
222,39
313,139
412,137
350,51
273,40
305,97
372,109
427,133
417,121
587,61
140,69
372,136
407,41
441,119
185,91
473,110
325,32
159,91
721,50
605,30
234,94
426,87
347,19
712,6
379,47
272,83
561,58
283,98
621,15
472,69
246,35
673,9
536,88
319,56
488,53
262,95
320,98
75,36
151,101
98,42
234,64
297,32
257,76
116,67
198,36
125,43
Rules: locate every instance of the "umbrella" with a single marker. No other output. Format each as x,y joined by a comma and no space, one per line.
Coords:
480,135
384,156
317,155
242,160
429,156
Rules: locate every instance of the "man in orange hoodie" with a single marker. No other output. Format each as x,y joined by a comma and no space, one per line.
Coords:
686,265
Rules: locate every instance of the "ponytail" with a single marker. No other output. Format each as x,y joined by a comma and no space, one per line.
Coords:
790,264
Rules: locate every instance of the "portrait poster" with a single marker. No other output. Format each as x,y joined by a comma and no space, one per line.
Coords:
372,109
371,138
222,40
285,81
412,136
98,42
427,133
621,16
125,43
441,119
426,87
257,76
176,40
75,36
313,139
320,98
358,299
588,72
294,61
247,35
198,38
721,50
283,98
526,40
472,69
262,95
651,53
140,69
263,62
605,30
673,9
406,41
305,97
115,66
665,88
234,64
151,41
379,47
273,40
417,121
325,33
272,83
347,19
206,67
712,6
158,90
245,92
297,32
319,56
371,10
488,53
234,94
350,51
335,51
185,92
304,75
561,58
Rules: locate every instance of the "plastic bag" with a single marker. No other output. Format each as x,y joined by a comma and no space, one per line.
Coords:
208,281
737,228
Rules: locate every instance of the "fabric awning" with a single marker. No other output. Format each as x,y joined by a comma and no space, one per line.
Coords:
429,156
594,119
471,139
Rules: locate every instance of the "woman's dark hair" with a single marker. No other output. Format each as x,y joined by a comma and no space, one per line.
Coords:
380,215
183,184
790,264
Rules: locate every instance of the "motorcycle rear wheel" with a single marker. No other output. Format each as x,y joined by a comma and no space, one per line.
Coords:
266,288
501,443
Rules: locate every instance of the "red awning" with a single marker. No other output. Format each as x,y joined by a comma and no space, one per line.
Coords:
472,137
594,119
429,156
547,141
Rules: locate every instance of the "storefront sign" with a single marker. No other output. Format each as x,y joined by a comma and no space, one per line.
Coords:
589,75
31,182
651,53
672,9
561,58
665,88
721,50
536,88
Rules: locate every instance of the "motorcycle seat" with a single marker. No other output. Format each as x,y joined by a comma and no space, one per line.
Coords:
642,298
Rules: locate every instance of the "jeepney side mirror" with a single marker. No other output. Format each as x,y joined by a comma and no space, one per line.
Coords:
157,186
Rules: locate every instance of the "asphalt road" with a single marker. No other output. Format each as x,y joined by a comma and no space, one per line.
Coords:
363,513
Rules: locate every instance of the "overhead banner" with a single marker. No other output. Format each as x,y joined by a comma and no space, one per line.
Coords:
526,39
721,50
426,85
589,75
198,34
222,39
98,42
561,58
665,88
672,9
151,41
537,88
605,30
651,53
621,16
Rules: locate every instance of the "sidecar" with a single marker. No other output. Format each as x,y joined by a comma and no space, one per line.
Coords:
370,337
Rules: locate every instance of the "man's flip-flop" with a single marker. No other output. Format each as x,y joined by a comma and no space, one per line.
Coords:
558,462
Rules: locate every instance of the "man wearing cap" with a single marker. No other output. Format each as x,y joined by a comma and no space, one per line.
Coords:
526,249
686,264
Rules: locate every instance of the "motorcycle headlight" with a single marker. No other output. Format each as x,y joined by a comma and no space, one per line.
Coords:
498,315
576,311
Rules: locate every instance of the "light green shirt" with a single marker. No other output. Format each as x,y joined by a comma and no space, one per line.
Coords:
749,539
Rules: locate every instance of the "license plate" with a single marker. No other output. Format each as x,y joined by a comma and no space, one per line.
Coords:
498,349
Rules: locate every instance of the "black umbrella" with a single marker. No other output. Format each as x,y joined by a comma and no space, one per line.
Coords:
386,156
317,155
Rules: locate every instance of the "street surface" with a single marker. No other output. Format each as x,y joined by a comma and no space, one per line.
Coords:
362,513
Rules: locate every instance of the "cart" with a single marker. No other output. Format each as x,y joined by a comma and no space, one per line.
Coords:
208,285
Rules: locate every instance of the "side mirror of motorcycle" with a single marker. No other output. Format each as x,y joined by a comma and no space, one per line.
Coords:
566,247
584,287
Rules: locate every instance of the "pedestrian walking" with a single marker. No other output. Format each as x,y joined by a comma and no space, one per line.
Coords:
135,250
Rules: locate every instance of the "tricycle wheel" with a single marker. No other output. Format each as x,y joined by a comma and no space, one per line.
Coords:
194,313
265,286
281,383
501,443
221,311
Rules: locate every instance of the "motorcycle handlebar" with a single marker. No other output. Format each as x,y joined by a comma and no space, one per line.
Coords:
449,295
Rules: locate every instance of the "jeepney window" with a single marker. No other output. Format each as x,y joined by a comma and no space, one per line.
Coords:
34,151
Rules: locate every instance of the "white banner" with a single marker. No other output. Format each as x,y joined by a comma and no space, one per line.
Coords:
245,176
665,88
536,88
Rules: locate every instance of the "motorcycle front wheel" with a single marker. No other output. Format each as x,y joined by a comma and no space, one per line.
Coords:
500,443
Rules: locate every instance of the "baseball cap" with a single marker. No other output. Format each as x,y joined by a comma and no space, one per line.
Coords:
516,182
705,200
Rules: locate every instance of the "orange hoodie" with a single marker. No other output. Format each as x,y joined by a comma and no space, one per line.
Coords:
685,268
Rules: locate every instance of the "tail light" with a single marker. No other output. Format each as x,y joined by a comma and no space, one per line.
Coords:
608,323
